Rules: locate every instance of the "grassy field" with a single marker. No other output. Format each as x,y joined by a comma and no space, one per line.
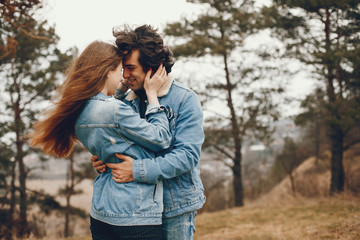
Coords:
335,218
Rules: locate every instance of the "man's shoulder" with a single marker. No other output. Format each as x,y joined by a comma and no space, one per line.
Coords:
181,98
180,88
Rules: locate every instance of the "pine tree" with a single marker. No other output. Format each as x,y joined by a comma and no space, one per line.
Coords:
325,35
29,66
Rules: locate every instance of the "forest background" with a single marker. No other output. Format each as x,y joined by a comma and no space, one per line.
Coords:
245,59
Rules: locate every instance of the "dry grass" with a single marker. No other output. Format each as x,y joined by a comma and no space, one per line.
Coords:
334,218
329,218
306,219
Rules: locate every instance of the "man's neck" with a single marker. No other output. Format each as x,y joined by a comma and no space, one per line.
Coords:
141,94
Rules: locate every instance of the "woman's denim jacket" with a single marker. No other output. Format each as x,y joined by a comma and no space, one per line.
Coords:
107,126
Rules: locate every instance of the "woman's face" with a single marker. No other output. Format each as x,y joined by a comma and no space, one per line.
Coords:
113,79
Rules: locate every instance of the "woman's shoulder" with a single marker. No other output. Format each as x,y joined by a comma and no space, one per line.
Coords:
110,110
100,109
108,104
97,108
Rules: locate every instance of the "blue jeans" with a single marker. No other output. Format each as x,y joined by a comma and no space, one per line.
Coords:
180,227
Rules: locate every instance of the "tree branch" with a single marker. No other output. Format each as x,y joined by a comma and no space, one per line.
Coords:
350,144
217,114
30,100
223,152
29,34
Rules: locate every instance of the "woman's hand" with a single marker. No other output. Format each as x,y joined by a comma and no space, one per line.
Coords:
98,164
153,84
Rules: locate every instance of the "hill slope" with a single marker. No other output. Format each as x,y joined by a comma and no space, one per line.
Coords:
310,213
335,218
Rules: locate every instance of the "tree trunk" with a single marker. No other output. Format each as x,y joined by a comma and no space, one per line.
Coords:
237,171
67,214
69,193
237,182
317,142
337,169
292,182
336,132
237,168
10,216
23,224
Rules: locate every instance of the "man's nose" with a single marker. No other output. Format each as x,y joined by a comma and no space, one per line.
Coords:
126,73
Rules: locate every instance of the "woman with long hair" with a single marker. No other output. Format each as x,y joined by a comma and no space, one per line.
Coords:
88,112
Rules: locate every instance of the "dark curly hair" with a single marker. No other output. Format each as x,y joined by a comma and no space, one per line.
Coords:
149,43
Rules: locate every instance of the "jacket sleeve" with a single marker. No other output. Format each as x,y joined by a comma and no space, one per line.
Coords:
185,153
152,133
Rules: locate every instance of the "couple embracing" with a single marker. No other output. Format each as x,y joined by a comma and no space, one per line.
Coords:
144,131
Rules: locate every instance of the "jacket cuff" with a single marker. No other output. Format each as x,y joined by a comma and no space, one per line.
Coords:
154,108
138,170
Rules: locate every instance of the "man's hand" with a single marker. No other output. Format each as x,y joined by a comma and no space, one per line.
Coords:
122,172
98,165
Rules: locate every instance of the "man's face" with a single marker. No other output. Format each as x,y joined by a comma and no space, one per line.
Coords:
133,71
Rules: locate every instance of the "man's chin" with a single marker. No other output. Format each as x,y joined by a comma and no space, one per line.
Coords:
136,88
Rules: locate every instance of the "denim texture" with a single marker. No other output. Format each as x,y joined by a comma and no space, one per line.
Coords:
178,166
180,227
107,126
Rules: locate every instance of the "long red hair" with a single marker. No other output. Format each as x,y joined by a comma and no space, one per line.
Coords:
55,135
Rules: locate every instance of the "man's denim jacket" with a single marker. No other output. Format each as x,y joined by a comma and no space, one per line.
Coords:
178,166
107,126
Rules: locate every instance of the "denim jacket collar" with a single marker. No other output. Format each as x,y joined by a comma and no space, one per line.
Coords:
163,91
100,96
